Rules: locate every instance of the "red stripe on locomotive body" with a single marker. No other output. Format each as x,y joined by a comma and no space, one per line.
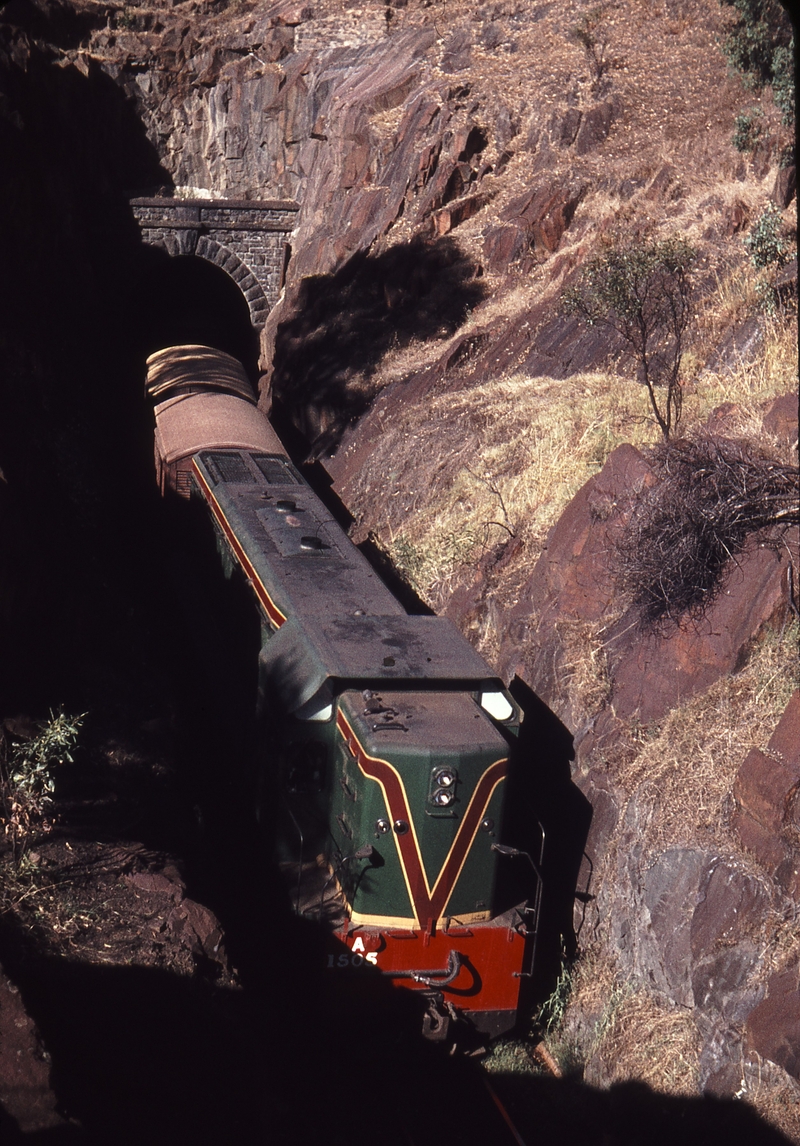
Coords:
428,906
274,614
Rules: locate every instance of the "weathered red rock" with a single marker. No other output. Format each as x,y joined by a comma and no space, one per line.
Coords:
447,218
663,183
545,212
195,925
595,127
457,51
651,671
773,1027
781,418
767,792
735,217
785,187
573,579
564,126
25,1092
654,672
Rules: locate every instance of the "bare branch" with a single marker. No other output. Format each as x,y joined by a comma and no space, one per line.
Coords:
711,496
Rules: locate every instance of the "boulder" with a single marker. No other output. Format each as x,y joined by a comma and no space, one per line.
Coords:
767,794
25,1091
773,1027
785,187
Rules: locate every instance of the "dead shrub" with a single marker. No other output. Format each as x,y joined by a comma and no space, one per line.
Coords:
711,495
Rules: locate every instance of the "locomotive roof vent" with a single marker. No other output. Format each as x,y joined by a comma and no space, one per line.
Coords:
228,467
276,470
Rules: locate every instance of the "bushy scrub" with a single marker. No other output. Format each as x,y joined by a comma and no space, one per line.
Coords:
760,46
748,129
769,251
27,778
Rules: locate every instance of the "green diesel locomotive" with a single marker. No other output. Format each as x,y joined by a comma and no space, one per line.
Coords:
387,744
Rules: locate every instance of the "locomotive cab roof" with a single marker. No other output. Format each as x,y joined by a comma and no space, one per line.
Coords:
306,654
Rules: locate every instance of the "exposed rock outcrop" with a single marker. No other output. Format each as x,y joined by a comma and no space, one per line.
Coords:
767,793
26,1095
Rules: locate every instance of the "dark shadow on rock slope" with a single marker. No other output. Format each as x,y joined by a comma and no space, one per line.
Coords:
542,792
567,1112
346,322
76,534
144,1055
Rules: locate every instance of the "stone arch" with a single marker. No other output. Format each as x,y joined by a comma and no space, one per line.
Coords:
188,242
235,268
246,238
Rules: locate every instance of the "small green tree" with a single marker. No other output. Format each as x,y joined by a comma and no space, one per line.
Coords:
594,40
760,45
748,129
26,778
642,290
768,251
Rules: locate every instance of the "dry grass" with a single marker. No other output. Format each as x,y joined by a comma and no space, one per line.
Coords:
608,1030
622,1031
517,450
714,731
584,675
775,1098
645,1037
750,384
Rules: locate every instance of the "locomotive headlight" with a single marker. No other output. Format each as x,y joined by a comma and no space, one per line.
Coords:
443,787
497,705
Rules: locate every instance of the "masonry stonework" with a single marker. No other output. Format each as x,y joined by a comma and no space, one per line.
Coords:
247,239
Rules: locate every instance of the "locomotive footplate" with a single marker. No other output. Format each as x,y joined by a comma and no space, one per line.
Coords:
469,972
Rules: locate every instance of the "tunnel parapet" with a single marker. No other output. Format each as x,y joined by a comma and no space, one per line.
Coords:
248,239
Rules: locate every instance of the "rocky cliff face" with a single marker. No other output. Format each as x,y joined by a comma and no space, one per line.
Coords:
391,123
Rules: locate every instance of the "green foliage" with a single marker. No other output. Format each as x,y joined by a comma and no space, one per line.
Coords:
765,242
747,129
27,782
641,289
783,82
769,251
760,45
125,21
550,1016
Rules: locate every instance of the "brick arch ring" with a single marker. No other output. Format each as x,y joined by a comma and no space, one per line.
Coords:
187,242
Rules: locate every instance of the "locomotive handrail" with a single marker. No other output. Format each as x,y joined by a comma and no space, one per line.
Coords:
427,978
535,908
